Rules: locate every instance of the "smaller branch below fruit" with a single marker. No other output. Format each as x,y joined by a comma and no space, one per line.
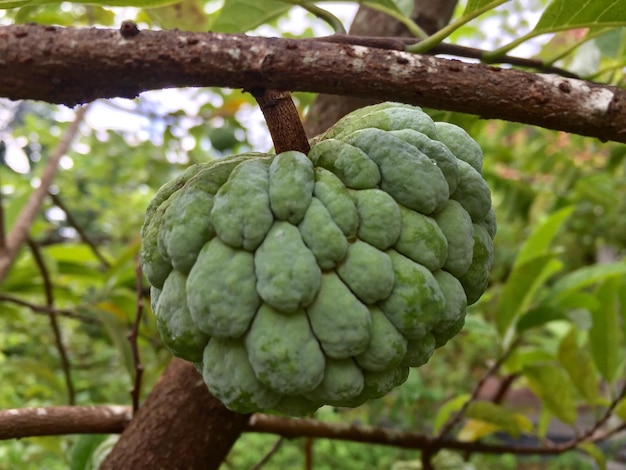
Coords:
133,336
54,322
283,120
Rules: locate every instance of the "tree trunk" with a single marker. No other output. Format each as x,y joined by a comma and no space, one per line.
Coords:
430,15
180,426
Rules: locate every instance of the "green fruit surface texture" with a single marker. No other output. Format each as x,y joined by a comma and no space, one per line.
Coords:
294,281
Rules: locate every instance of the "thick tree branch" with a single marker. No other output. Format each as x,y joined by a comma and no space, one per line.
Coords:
59,420
73,66
28,422
180,425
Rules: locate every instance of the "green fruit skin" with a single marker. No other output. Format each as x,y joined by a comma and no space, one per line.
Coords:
288,276
472,193
460,144
290,185
302,281
351,165
221,290
295,406
368,272
154,267
379,217
456,301
388,119
456,225
416,302
322,235
339,320
174,322
283,351
333,194
386,348
378,384
408,175
476,278
185,227
422,240
489,223
442,337
419,351
241,213
229,376
343,380
436,151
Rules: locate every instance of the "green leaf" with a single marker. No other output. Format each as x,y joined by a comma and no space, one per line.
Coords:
5,4
579,366
604,335
82,451
571,14
188,15
239,16
495,414
594,452
539,316
473,5
581,278
539,241
551,385
521,286
118,332
446,410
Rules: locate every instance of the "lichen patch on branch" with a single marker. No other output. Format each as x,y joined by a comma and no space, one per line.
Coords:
595,100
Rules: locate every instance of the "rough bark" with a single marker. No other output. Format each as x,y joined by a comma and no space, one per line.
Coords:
75,65
180,426
430,16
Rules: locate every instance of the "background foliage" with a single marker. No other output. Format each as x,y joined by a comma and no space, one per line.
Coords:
550,331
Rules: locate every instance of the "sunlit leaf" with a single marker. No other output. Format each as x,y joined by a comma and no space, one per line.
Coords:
539,241
579,366
188,15
473,5
521,286
475,429
495,414
604,335
5,4
239,16
552,386
447,409
596,453
570,14
581,278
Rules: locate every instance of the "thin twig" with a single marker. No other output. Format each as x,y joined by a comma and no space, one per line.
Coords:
401,43
42,309
458,416
308,453
3,242
76,226
21,227
134,334
54,324
266,458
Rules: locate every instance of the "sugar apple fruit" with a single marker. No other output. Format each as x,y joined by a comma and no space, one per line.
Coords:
295,281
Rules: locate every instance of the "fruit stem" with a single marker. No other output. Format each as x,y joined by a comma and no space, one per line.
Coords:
282,119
